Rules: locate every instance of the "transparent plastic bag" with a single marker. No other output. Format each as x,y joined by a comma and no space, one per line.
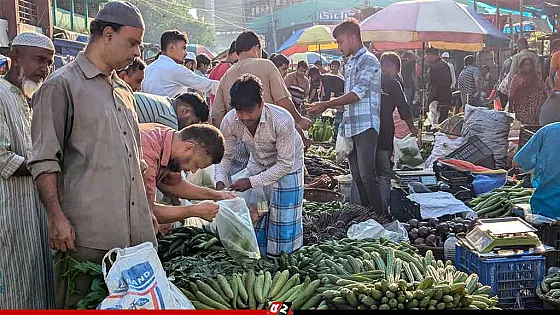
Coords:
235,228
257,201
407,152
343,146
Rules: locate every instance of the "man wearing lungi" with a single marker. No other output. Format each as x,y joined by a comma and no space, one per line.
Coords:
275,163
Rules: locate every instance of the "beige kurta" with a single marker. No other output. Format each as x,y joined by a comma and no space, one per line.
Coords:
26,268
85,129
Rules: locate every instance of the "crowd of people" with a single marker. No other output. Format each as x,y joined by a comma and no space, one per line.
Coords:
107,151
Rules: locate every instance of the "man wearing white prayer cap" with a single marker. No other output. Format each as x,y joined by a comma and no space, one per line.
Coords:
26,267
87,156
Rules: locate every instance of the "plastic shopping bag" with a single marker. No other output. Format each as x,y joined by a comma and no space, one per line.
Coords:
343,146
407,152
236,231
137,280
257,200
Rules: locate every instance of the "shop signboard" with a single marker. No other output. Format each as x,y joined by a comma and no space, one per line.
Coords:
333,15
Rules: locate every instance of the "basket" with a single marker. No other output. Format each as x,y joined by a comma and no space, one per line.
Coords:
513,280
548,303
525,133
322,195
475,152
550,235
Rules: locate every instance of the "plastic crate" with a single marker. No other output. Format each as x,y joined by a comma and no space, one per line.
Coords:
513,280
526,132
452,175
402,208
475,152
550,235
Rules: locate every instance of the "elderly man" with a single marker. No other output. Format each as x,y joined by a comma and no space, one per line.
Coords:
26,267
86,156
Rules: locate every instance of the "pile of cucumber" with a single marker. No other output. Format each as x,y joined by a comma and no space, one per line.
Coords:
550,287
499,203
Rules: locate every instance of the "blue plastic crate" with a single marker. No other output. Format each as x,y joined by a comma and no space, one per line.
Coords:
513,280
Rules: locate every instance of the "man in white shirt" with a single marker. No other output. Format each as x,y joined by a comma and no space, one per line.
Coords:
445,57
167,76
275,163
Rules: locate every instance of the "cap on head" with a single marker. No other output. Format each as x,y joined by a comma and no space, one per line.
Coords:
32,39
190,56
445,55
121,12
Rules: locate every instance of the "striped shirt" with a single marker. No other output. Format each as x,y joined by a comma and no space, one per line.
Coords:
363,78
467,84
153,108
26,269
275,150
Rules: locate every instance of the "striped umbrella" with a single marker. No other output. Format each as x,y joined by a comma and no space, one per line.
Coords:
315,38
199,49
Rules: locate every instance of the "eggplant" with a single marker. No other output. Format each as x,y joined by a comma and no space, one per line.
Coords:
459,227
423,224
423,231
431,240
419,241
413,222
433,222
413,235
406,226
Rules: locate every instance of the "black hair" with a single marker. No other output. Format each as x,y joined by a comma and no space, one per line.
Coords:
469,60
392,58
206,136
171,36
137,65
246,92
313,71
350,27
201,110
247,40
231,48
278,60
202,59
303,64
264,54
96,28
522,41
432,51
335,62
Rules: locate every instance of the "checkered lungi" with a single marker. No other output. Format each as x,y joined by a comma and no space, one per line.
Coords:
281,229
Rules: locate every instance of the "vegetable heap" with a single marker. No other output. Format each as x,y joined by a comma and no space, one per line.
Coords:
347,274
433,232
499,203
98,290
550,287
328,221
327,153
317,166
321,130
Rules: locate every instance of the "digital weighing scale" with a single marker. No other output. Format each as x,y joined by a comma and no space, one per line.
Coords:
425,177
502,234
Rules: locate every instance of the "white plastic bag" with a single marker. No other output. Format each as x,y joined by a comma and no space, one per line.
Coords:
137,280
393,231
257,200
407,152
236,231
443,146
343,146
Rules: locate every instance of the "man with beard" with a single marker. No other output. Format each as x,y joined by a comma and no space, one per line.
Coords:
168,152
86,156
25,257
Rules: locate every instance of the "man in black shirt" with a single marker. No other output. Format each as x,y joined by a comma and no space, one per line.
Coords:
330,84
392,95
439,81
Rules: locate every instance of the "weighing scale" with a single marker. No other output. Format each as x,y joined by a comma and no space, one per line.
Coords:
502,235
425,177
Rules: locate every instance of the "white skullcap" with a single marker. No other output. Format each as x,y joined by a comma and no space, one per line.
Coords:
190,56
33,39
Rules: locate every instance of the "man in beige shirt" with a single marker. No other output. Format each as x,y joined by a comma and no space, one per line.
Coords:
86,156
248,47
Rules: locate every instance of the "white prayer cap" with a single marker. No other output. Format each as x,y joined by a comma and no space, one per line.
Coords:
33,39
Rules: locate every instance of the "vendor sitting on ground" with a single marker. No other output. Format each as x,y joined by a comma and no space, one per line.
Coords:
168,152
276,162
540,155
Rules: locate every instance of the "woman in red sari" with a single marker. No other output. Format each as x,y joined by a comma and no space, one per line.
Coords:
527,93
